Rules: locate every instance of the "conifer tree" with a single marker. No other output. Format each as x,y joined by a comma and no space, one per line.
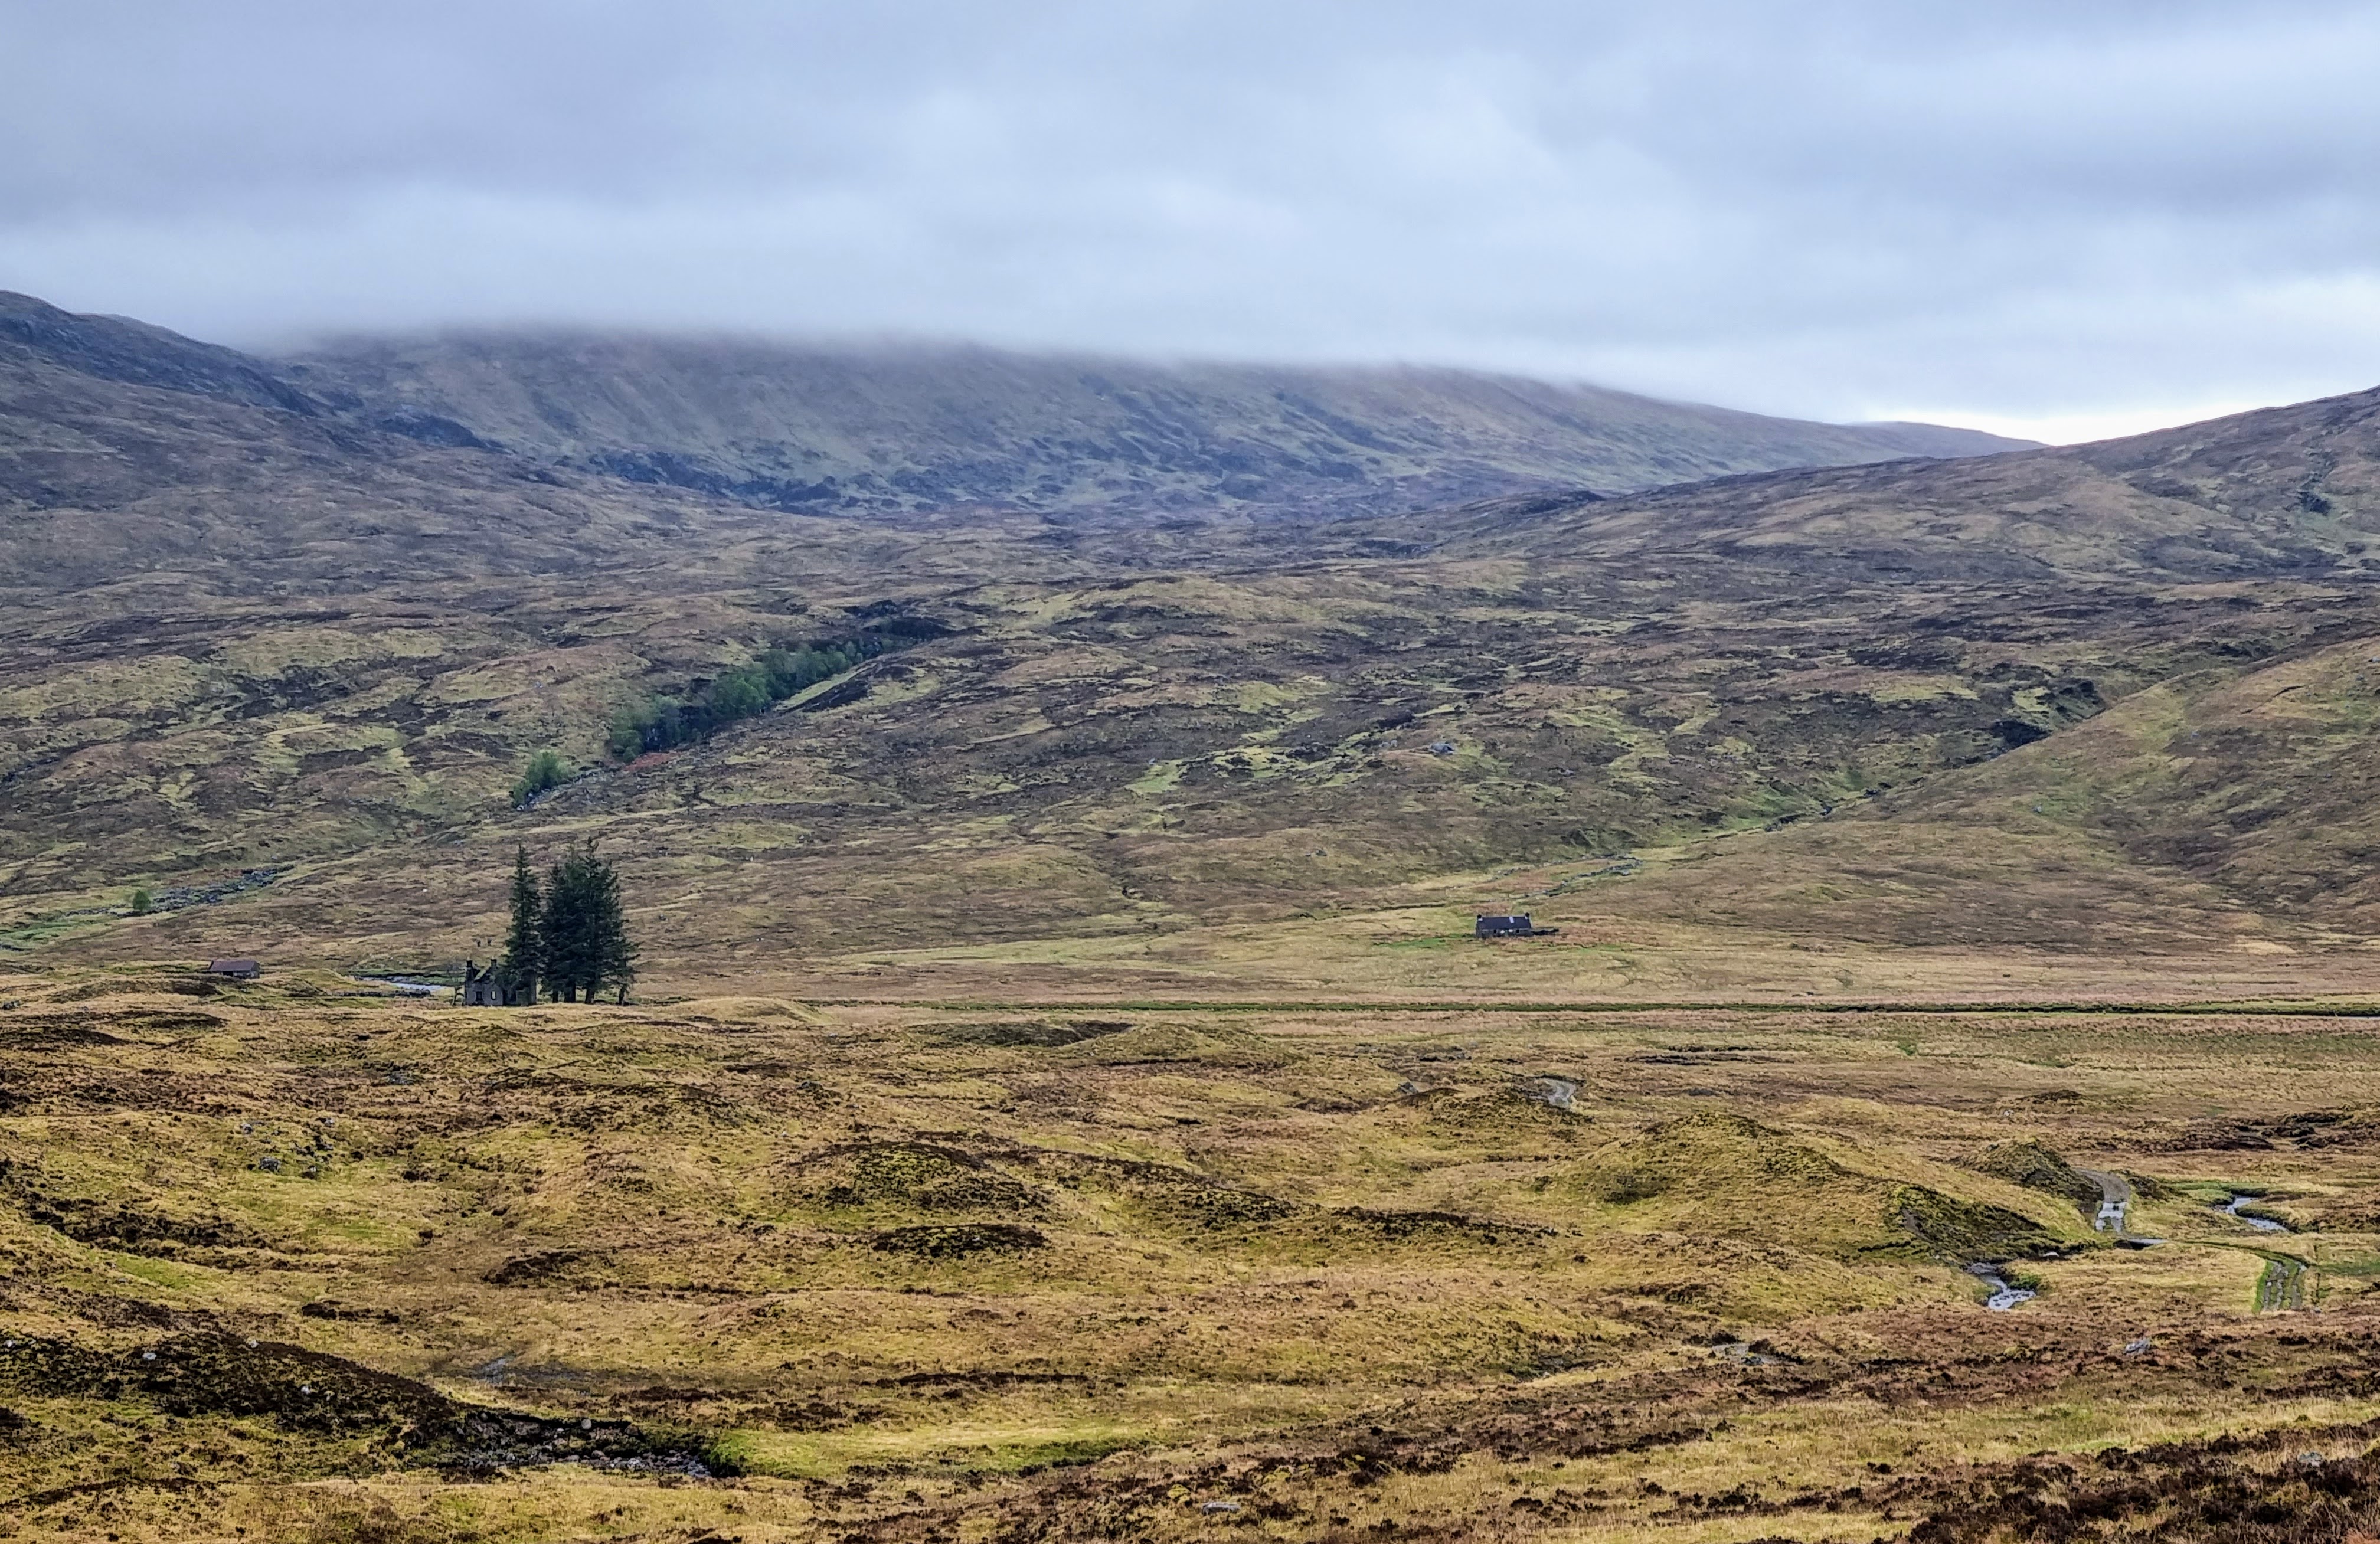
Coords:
565,928
583,930
613,953
525,942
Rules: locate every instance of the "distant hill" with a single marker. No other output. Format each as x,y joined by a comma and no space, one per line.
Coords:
2282,491
904,429
883,434
128,451
2111,697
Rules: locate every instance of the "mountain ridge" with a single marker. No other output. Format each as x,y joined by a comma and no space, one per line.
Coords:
901,428
2273,491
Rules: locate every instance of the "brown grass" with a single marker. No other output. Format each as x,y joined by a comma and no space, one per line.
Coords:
1318,1264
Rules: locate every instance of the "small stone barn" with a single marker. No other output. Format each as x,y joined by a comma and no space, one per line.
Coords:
1516,926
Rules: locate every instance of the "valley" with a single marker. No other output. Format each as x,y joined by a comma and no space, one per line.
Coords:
902,1272
1063,1097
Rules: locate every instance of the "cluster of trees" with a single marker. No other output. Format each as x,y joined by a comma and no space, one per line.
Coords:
662,722
570,934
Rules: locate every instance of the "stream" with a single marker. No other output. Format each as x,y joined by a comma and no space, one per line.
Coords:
405,984
2004,1297
2282,1286
2261,1224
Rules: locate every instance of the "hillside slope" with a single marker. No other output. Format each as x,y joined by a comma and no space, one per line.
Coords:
2010,702
2292,489
896,430
129,455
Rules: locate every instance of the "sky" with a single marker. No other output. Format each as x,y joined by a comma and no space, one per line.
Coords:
2056,220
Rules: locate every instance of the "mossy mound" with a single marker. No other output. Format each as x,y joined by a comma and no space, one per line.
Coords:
551,1268
956,1240
1165,1192
219,1374
179,984
732,1013
1216,1206
1041,1032
310,1392
1948,1228
921,1175
1208,1046
1504,1113
1711,1146
1714,1173
1433,1227
2029,1163
138,1232
120,1223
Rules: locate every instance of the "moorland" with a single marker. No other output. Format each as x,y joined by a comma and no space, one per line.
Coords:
1064,1098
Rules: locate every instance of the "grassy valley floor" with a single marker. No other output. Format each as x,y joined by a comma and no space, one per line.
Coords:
314,1258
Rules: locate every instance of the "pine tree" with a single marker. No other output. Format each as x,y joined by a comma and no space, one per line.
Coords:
613,954
565,928
584,932
525,942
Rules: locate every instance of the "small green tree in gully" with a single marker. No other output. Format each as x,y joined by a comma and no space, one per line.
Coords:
586,933
525,942
545,769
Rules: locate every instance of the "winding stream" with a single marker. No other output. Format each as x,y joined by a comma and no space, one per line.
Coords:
2261,1224
2282,1286
2004,1297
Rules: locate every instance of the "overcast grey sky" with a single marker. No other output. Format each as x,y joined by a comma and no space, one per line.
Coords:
2063,217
